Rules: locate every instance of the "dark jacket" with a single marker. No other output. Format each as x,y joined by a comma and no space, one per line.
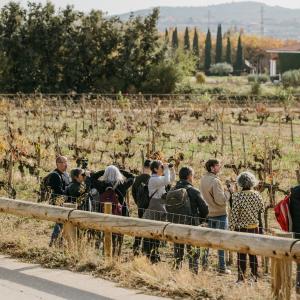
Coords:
143,178
121,189
295,209
199,208
75,190
58,182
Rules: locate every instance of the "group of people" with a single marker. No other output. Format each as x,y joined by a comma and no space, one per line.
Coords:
238,205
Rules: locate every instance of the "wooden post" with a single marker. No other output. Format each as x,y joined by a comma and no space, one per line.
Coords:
292,131
298,176
69,230
223,142
244,150
107,234
231,144
281,274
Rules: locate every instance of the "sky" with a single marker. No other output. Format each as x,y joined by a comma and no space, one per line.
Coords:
122,6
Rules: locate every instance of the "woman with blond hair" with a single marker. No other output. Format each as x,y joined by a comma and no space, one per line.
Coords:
246,216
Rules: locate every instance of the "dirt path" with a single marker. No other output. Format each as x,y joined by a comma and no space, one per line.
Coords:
23,281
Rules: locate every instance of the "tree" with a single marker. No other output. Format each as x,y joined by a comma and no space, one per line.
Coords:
175,39
187,44
219,45
196,44
228,51
239,64
166,36
207,62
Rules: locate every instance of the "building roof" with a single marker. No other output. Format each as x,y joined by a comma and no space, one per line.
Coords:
289,49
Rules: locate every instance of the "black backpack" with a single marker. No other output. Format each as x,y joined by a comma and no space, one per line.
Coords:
45,191
142,195
178,206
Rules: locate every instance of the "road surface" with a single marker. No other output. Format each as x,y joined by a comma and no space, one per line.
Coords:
23,281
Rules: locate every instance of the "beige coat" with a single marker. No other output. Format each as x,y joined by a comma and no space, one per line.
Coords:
213,193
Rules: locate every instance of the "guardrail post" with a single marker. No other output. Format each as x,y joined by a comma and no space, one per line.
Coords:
69,230
108,235
281,274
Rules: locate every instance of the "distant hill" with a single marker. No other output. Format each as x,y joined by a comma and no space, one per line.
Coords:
279,22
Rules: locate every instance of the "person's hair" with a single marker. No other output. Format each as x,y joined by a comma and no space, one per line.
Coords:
155,164
185,172
113,175
60,159
75,173
147,163
210,164
247,180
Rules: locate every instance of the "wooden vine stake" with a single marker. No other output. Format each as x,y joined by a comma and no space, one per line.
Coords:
108,235
222,142
231,144
292,131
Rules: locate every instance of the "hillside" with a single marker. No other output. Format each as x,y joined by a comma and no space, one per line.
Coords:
279,22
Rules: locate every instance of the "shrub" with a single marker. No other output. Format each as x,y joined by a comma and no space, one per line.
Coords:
256,88
200,78
162,78
261,78
291,78
221,69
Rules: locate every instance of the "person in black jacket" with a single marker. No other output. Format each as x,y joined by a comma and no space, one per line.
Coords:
295,215
198,213
113,177
143,178
77,189
58,181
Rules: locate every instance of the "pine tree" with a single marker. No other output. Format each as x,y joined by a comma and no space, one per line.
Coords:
207,62
187,44
167,36
239,64
228,51
219,45
175,39
196,44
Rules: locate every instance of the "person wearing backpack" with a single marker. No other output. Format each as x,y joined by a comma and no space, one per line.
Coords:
58,180
138,189
161,176
112,185
191,209
246,216
216,199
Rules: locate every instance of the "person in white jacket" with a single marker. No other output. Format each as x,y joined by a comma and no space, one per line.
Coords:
162,175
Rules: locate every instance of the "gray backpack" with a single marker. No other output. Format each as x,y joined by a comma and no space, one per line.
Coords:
178,205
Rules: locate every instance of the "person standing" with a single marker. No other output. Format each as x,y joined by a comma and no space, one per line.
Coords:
58,181
162,175
216,198
194,214
295,215
139,180
246,216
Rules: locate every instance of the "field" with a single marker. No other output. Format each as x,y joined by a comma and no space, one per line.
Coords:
262,137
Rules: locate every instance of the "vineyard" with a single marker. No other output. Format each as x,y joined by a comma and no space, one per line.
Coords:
125,130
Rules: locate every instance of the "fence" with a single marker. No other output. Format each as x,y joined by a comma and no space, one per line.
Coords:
282,251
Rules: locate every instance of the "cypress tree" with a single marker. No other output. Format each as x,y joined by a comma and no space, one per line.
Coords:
167,36
228,51
207,62
219,45
187,44
196,44
175,39
239,64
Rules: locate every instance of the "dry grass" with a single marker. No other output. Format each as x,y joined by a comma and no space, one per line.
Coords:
17,235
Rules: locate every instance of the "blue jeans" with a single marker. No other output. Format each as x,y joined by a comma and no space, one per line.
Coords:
219,222
56,232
